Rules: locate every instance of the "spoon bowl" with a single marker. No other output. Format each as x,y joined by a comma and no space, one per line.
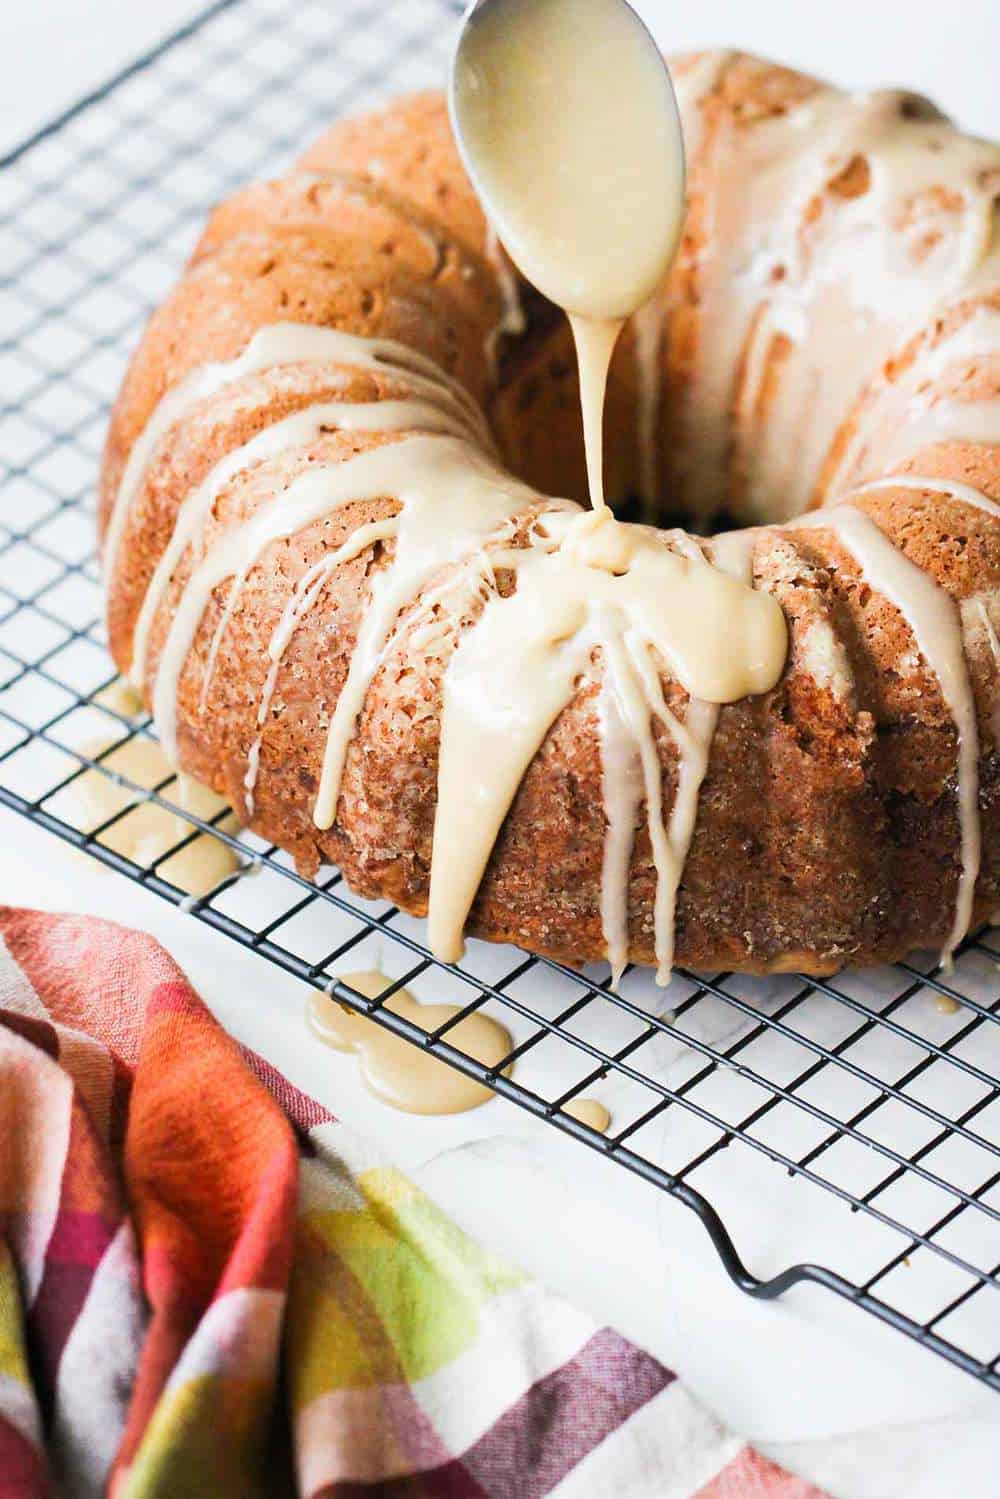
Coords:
567,123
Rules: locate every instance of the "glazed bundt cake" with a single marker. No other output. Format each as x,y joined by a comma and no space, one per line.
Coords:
293,603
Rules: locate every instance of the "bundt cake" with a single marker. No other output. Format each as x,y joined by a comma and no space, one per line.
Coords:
296,608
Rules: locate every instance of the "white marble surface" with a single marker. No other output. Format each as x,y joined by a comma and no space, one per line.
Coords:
837,1396
800,1376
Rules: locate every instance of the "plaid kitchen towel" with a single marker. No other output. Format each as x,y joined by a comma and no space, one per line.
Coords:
208,1287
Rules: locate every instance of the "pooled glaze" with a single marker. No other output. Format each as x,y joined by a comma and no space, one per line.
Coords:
121,697
148,830
589,1111
392,1068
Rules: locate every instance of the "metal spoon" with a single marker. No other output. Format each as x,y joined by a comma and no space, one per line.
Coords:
566,121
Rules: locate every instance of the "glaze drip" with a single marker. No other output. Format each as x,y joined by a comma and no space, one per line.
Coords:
618,592
935,621
827,269
147,832
271,346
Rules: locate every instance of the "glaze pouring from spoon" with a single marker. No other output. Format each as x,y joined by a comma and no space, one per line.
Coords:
566,120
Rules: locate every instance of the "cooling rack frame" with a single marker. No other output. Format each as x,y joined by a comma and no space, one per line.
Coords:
40,611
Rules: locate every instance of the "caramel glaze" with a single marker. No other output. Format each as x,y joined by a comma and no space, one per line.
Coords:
392,1068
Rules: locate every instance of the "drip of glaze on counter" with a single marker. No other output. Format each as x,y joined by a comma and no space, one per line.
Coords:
121,698
395,1070
589,1111
147,831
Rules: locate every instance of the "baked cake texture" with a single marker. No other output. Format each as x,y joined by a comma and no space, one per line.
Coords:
829,335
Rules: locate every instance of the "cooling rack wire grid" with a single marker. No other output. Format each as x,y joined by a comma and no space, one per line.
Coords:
864,1106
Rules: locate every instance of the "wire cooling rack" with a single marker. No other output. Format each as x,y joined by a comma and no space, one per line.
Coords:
863,1110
